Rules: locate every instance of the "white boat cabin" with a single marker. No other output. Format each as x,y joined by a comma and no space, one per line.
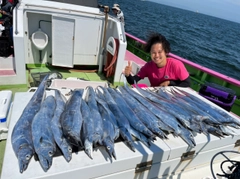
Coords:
61,33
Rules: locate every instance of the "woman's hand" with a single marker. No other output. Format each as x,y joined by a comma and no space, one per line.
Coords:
128,69
165,83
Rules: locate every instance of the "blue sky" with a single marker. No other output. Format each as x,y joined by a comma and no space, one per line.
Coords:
225,9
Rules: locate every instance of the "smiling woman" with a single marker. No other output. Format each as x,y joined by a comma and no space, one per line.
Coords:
162,70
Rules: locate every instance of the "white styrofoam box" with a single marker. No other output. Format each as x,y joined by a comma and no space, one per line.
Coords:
73,84
164,155
162,170
201,171
198,167
120,175
177,167
203,143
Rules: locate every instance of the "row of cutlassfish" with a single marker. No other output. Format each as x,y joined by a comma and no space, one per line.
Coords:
91,118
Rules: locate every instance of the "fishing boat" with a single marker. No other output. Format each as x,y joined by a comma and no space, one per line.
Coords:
87,46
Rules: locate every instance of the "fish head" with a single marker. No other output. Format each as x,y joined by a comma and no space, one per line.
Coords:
109,146
45,161
45,156
88,145
67,151
24,156
188,137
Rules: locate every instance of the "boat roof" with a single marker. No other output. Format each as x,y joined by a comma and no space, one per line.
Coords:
89,3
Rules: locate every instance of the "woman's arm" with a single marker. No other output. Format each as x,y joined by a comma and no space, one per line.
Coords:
184,83
131,79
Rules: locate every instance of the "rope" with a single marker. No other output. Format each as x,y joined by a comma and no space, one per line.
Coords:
110,66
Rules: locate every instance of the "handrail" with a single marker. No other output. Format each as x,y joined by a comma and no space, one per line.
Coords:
16,18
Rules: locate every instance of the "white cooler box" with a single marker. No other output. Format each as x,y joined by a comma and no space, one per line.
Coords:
165,158
73,83
5,101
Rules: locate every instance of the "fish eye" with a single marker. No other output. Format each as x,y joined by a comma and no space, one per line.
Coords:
69,149
28,157
50,153
108,147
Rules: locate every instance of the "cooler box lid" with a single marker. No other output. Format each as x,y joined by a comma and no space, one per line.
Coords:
75,83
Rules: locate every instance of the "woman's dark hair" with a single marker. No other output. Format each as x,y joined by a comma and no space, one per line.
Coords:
154,38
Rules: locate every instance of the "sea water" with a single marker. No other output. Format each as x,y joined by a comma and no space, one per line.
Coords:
209,41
